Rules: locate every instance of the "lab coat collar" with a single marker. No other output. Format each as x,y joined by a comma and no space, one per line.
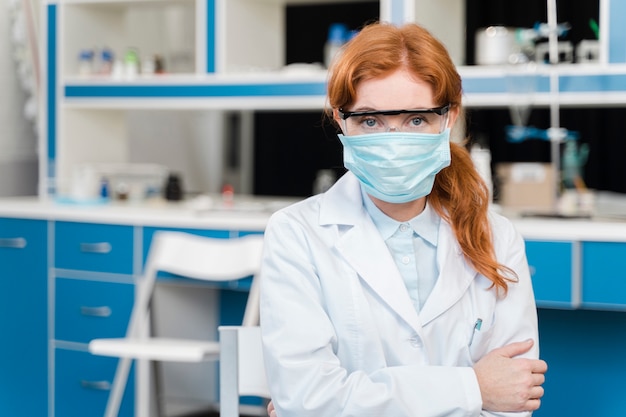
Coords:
455,276
342,203
363,247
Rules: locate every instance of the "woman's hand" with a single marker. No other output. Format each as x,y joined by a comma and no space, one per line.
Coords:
508,383
270,409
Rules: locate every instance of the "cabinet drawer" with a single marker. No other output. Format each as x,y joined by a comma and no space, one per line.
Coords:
93,247
551,272
83,382
22,239
604,275
85,310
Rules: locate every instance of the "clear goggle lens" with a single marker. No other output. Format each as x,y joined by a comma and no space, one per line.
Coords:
433,120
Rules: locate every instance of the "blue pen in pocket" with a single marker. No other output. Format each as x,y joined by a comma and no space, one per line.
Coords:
477,326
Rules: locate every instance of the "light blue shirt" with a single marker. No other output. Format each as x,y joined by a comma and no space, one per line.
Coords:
413,246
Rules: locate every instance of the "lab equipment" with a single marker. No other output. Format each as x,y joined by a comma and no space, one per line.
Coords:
574,159
494,45
555,134
482,161
337,36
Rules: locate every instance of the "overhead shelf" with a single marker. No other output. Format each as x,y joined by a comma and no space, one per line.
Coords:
579,85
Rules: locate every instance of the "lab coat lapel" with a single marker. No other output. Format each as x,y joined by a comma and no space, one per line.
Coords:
455,276
364,249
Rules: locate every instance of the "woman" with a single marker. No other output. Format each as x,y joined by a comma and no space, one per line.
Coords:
396,292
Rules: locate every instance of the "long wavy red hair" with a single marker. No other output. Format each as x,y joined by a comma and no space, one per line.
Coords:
459,194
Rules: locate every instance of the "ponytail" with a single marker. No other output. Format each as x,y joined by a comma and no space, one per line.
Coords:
461,197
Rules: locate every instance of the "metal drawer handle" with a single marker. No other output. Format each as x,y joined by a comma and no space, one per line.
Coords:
14,243
95,311
99,385
103,247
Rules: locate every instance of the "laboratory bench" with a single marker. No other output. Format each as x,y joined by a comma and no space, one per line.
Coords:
69,273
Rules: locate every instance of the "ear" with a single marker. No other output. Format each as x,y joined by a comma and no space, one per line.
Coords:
337,119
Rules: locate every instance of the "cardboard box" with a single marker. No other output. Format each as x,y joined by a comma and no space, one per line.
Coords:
526,186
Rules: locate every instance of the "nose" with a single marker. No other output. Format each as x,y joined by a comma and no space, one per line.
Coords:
392,129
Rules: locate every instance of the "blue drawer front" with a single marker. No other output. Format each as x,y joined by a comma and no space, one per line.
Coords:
23,319
28,235
94,247
604,275
85,310
82,384
551,271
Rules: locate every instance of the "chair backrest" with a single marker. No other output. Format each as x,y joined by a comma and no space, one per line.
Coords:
242,371
203,258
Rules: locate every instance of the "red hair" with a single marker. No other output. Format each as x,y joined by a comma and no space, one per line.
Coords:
459,194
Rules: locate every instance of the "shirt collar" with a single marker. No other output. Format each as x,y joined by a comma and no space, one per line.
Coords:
425,224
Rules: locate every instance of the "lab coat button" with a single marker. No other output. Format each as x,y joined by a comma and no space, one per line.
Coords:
415,342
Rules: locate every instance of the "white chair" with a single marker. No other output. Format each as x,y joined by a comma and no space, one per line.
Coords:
242,371
190,256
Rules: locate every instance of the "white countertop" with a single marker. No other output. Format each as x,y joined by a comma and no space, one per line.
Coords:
246,213
251,214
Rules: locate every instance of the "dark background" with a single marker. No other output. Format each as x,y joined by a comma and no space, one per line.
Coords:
290,147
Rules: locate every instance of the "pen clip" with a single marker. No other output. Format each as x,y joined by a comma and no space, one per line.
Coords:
479,323
477,326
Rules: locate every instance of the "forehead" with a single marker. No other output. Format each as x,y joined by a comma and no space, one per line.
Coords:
397,90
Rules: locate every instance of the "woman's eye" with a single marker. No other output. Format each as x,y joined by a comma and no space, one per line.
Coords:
369,122
416,121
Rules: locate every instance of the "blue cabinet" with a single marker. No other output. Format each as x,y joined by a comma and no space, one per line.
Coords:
604,275
23,306
550,266
93,296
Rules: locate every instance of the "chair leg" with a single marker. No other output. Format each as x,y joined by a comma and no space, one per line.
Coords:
117,390
229,371
158,383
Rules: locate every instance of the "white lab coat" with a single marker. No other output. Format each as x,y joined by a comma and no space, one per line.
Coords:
341,336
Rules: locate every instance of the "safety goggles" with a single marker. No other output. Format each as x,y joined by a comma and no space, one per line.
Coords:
433,120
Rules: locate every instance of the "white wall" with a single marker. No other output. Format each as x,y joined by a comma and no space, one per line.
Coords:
18,139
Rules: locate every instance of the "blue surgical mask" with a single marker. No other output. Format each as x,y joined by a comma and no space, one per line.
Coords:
397,167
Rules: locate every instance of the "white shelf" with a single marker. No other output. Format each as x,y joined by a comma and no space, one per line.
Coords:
580,85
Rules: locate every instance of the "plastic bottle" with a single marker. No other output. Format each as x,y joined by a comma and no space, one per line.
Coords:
107,57
482,161
104,188
228,195
337,34
85,62
131,63
173,190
